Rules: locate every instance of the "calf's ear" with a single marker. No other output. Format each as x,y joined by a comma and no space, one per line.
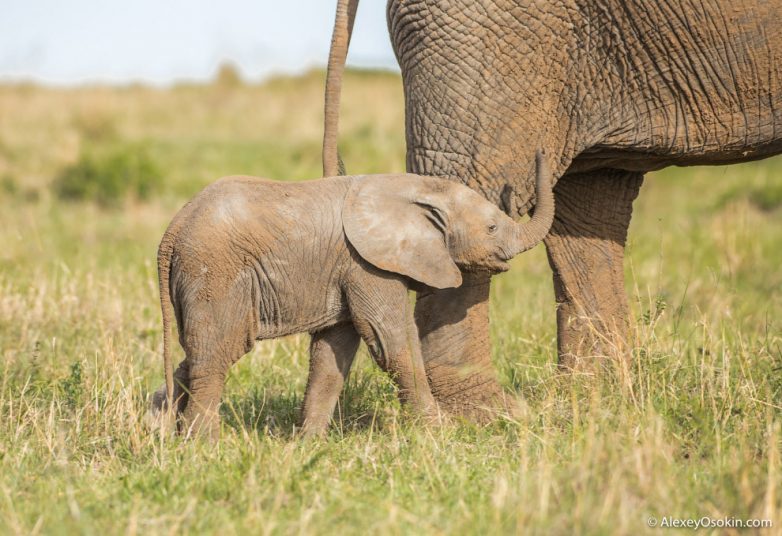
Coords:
400,223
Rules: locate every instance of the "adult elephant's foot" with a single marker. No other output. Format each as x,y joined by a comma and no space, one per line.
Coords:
586,253
454,328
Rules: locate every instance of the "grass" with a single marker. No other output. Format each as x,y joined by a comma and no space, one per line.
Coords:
690,429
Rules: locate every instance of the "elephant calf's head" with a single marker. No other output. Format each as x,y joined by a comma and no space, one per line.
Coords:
428,228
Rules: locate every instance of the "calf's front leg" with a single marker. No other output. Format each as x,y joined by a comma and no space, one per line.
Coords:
331,354
383,316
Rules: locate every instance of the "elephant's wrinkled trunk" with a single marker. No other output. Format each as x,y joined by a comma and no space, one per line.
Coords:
531,233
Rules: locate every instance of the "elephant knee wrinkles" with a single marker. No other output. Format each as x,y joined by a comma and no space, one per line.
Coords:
200,376
328,381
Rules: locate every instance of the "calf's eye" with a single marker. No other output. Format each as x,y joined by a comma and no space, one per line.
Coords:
492,228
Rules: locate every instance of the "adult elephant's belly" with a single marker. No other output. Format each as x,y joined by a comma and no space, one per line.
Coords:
711,133
629,159
688,94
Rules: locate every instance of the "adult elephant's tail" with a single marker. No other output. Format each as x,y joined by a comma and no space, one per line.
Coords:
340,41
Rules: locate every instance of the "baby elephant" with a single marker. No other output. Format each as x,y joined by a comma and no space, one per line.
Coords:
250,259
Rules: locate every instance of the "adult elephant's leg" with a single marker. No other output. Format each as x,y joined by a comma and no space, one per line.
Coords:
586,253
454,328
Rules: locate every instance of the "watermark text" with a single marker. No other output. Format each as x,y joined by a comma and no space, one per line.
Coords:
707,522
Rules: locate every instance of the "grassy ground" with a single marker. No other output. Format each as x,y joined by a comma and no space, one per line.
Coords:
691,429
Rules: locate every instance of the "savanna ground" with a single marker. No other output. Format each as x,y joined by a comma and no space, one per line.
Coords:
90,177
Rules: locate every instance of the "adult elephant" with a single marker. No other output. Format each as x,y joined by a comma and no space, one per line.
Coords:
611,89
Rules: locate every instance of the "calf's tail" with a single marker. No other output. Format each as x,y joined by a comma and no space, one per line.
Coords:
163,269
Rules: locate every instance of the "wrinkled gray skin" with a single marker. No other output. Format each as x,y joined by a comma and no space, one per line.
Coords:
251,259
611,89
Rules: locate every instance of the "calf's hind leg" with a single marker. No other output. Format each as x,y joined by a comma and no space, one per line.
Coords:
209,360
215,336
331,354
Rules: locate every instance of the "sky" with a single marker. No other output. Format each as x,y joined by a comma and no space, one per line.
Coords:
72,42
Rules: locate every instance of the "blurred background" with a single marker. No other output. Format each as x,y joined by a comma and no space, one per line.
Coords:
70,43
112,103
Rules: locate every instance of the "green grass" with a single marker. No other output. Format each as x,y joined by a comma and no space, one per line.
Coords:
690,429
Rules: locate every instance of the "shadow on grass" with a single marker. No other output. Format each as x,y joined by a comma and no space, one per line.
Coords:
277,414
